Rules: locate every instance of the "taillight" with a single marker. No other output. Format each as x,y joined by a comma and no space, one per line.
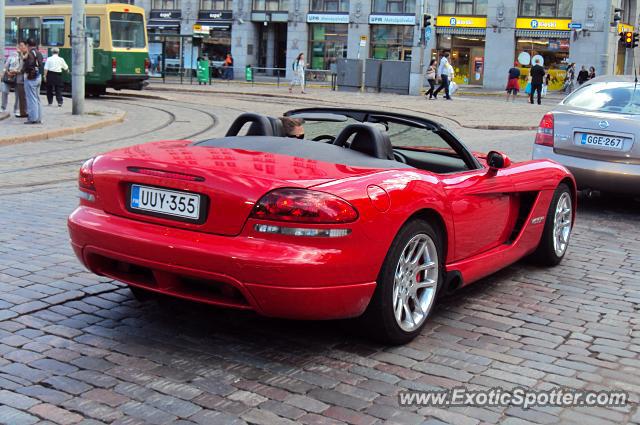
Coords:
304,206
147,65
114,65
85,177
544,136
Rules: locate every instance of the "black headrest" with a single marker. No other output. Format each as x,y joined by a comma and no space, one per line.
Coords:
368,139
278,128
260,125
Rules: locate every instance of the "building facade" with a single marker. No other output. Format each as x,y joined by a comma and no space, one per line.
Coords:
484,37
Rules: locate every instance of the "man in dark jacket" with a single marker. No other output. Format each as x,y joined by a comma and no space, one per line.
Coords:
537,78
32,79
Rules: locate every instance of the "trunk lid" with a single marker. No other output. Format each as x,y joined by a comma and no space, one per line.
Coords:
596,135
229,181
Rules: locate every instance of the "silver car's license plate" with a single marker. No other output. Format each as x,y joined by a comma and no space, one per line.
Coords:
601,142
163,201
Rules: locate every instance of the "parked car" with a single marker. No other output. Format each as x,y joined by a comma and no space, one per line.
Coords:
593,133
373,214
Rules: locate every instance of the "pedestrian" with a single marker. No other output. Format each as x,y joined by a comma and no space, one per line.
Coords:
583,75
513,81
444,70
53,68
592,73
537,79
299,68
32,80
20,105
431,78
569,77
227,68
12,70
545,84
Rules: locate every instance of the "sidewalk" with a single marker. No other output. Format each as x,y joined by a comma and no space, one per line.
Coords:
57,122
479,112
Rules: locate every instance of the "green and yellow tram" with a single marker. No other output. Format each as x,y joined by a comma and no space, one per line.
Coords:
117,32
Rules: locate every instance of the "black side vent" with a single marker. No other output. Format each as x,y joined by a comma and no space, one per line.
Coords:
527,199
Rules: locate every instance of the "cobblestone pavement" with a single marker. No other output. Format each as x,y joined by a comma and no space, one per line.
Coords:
76,348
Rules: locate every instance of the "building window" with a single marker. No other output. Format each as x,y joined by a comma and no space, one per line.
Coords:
215,5
271,5
463,7
166,4
328,42
394,6
329,5
391,42
546,8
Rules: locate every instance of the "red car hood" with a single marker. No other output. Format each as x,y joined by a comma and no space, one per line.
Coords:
232,179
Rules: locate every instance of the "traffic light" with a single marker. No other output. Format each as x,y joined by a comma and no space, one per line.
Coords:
426,21
635,40
628,39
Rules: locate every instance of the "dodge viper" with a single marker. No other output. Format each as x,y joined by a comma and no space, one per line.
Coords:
368,214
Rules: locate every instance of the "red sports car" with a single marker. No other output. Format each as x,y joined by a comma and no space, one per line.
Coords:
371,214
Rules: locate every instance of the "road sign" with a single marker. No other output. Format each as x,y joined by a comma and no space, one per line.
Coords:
363,41
575,25
427,34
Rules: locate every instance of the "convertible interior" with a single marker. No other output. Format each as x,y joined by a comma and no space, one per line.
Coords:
412,141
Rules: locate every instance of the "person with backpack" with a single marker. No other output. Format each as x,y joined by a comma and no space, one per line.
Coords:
32,69
431,78
298,67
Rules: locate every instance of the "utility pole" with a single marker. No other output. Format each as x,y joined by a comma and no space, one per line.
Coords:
78,51
2,32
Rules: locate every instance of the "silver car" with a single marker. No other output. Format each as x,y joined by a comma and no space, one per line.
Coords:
595,133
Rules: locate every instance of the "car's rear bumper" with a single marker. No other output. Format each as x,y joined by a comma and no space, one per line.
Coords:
598,175
278,279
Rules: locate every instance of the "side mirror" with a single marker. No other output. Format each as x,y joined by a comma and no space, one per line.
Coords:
497,160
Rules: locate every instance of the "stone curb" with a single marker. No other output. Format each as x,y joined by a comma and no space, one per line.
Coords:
289,96
59,132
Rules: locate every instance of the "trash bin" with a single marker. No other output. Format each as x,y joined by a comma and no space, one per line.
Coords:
203,72
248,73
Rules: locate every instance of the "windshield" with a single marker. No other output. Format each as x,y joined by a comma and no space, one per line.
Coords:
616,97
127,30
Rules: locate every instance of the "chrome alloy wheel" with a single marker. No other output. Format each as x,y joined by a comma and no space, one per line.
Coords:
415,282
562,224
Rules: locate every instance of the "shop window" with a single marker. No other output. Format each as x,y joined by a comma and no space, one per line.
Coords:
394,6
53,31
546,8
11,31
391,42
271,5
166,4
215,5
330,5
29,28
328,42
463,7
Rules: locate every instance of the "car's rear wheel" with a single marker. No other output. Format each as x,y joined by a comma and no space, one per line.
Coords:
557,228
408,284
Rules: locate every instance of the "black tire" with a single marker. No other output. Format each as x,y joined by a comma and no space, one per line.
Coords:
545,254
140,294
379,317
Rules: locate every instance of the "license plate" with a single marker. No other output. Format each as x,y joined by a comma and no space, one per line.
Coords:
163,201
602,142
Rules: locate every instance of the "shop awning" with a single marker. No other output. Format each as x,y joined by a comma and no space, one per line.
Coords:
163,23
215,25
543,34
461,31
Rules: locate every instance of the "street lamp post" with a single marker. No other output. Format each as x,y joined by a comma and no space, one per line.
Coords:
2,30
78,51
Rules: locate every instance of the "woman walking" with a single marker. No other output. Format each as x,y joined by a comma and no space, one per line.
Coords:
431,78
299,68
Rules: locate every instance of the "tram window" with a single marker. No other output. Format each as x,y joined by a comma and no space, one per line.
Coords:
93,29
127,30
29,28
11,31
53,31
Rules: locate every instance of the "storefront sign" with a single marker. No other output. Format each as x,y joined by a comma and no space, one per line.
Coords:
214,16
165,14
328,18
543,24
392,19
461,22
625,28
575,25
